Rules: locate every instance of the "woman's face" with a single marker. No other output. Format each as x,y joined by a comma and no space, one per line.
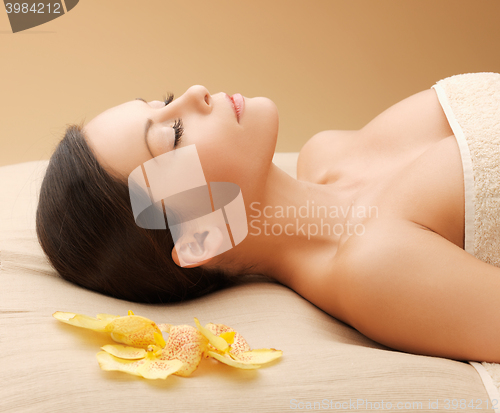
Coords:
235,143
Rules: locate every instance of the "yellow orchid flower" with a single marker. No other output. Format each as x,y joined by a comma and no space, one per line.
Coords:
146,353
182,354
139,362
229,347
132,330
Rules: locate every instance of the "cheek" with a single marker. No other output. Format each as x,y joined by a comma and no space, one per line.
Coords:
218,153
240,154
222,165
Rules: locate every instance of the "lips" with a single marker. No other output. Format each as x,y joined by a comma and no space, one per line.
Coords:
238,103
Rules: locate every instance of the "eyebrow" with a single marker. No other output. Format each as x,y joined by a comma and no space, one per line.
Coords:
147,126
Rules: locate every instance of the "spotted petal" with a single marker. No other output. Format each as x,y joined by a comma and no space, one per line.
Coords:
259,356
160,369
149,368
136,331
226,359
240,353
187,344
238,345
164,327
132,330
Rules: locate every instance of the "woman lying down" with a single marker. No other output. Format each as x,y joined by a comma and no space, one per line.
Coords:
392,229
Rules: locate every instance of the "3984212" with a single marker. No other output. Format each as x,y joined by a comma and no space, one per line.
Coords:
54,8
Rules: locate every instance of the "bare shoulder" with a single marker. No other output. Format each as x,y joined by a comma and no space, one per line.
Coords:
320,152
409,125
418,118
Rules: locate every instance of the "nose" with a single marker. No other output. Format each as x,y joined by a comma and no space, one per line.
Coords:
198,98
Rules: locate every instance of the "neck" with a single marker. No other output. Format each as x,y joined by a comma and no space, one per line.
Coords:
294,224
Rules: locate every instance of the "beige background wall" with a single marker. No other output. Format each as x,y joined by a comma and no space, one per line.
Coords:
327,64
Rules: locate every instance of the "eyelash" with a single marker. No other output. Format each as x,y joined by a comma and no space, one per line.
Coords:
169,98
178,127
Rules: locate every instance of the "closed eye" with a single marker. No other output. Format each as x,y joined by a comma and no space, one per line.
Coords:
178,127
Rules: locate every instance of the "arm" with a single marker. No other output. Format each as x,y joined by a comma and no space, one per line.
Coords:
407,287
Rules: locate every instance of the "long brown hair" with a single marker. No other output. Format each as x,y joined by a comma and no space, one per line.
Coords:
85,225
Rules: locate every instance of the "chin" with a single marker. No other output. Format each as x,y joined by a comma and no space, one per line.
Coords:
268,124
266,104
267,112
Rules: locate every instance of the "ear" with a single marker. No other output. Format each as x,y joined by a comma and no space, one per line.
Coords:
198,248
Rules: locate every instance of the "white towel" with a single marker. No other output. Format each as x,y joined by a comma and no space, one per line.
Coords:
471,103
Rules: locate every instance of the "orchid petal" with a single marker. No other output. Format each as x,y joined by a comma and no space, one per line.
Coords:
228,336
108,362
259,356
164,327
147,368
81,320
125,352
218,342
187,344
136,331
229,361
159,369
107,317
238,345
